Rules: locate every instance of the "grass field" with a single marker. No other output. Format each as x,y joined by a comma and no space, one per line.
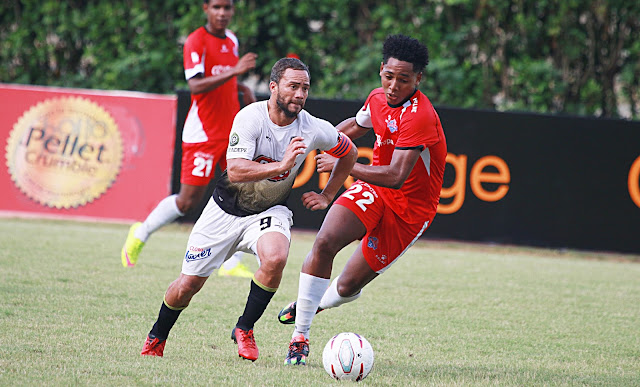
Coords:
446,314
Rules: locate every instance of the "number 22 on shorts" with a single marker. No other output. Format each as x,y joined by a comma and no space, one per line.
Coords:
366,199
203,167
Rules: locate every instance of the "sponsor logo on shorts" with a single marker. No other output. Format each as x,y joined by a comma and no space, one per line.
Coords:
370,188
203,155
382,259
196,254
372,243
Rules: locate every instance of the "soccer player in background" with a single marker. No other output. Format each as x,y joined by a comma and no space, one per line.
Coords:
211,65
268,143
393,201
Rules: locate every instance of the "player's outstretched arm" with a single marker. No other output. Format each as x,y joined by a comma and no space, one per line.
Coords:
392,175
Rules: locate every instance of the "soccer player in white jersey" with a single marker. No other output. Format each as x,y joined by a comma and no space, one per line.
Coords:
269,141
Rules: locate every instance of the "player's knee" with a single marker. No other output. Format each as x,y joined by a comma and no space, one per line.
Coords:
325,246
185,204
187,289
274,262
347,288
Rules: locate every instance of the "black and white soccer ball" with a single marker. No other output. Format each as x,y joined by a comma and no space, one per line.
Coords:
348,356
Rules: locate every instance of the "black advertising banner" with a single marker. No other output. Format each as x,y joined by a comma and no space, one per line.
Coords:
524,179
572,181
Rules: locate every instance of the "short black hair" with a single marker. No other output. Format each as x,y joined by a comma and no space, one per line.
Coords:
287,63
406,49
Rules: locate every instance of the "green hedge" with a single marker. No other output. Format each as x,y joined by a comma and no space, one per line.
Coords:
572,56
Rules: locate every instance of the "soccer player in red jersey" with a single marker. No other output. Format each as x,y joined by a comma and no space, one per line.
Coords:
211,65
393,201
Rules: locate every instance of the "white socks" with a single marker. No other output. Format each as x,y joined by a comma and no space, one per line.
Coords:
332,299
165,212
310,291
313,293
235,259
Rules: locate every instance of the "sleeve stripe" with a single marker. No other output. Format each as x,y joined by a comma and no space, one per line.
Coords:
197,69
342,148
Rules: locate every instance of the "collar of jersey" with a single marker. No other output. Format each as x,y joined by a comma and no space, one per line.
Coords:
405,101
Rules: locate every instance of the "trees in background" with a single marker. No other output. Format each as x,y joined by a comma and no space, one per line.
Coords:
549,56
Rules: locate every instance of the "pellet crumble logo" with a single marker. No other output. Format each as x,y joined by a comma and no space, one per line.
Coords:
64,152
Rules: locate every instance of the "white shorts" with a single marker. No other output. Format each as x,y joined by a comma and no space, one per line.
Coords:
217,235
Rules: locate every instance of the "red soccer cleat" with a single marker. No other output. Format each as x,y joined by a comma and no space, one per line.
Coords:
247,347
153,346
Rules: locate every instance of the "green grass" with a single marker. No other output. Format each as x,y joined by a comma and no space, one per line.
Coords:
445,314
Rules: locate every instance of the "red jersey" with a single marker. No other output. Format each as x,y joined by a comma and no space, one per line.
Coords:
414,124
211,114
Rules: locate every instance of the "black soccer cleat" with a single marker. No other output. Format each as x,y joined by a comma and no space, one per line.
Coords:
288,314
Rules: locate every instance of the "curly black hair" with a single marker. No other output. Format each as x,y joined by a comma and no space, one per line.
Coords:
406,49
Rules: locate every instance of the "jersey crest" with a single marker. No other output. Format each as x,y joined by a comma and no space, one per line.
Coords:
392,125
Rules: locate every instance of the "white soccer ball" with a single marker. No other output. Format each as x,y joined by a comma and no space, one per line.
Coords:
348,356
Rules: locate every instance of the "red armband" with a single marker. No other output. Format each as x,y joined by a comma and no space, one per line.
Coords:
343,147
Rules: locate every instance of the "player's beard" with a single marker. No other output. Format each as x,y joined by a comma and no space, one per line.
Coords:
283,106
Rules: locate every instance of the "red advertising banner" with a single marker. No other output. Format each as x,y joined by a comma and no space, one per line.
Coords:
72,153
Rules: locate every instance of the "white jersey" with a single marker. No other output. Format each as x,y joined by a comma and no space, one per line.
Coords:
255,137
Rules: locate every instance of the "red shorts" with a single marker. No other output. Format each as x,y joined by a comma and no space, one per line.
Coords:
199,161
388,236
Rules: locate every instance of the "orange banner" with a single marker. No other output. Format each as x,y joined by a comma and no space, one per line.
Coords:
73,153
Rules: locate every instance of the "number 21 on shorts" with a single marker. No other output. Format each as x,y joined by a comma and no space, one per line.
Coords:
365,199
203,167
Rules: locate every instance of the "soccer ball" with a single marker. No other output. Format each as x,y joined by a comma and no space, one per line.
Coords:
348,356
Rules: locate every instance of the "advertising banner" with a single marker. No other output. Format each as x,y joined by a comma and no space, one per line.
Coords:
70,153
541,180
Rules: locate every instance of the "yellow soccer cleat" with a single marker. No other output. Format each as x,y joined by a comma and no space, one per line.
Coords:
132,247
239,270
